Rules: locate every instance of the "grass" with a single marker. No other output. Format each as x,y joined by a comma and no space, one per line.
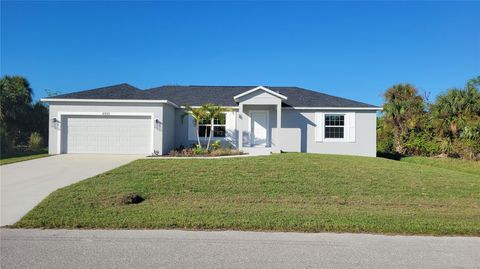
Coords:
282,192
460,165
23,156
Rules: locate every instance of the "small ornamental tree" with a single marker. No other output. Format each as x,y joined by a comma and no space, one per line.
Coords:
198,115
213,111
205,113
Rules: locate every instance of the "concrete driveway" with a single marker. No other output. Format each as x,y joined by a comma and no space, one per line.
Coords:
25,184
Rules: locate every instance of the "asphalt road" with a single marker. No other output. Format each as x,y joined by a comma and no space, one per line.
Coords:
187,249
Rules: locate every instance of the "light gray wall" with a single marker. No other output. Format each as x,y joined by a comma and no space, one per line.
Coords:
272,122
259,97
298,134
62,107
168,129
181,132
181,129
304,122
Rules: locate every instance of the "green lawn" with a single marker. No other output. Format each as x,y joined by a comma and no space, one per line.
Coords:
282,192
466,166
24,156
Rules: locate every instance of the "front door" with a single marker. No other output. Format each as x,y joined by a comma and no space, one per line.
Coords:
259,128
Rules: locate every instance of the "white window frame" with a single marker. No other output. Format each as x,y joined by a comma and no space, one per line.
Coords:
202,137
344,139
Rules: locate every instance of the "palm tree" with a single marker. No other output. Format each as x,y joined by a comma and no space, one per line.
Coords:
208,118
198,115
213,112
403,109
454,109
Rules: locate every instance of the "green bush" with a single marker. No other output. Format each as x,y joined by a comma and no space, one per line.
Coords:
384,138
6,143
421,144
198,150
470,141
216,145
35,141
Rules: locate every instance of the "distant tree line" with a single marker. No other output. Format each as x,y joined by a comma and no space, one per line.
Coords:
24,123
411,125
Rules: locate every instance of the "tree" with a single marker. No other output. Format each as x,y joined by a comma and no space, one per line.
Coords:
38,119
198,115
213,112
456,117
473,83
15,105
205,113
404,109
454,109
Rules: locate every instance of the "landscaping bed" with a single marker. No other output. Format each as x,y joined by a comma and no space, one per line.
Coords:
196,151
281,192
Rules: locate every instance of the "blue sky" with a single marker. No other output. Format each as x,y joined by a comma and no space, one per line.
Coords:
350,49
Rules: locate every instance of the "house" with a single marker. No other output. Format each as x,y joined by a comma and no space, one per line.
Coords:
123,119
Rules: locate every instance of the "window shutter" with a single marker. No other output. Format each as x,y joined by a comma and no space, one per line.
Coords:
191,129
351,126
230,123
319,126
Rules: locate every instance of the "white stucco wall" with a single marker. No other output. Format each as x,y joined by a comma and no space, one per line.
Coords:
56,108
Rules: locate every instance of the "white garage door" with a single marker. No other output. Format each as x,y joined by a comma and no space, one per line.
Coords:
107,134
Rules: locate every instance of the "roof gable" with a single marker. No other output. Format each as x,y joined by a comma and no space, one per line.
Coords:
276,94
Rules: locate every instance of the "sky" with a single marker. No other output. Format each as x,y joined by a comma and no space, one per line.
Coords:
355,50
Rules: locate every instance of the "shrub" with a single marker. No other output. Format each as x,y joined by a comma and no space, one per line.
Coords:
225,152
6,143
35,141
421,144
198,150
470,141
384,137
216,145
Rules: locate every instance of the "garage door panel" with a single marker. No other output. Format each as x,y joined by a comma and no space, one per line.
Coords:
108,134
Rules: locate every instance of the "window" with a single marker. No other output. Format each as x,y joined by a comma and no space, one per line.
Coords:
334,126
219,125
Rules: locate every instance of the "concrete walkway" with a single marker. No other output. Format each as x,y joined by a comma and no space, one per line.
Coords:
24,184
185,249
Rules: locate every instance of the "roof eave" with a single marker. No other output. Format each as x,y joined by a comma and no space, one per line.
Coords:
76,100
335,108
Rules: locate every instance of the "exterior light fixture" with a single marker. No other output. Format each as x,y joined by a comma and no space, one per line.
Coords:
158,124
55,122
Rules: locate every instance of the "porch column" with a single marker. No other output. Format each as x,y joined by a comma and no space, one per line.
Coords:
240,126
279,125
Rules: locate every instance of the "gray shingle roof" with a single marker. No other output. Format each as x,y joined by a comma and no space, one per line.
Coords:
120,91
222,95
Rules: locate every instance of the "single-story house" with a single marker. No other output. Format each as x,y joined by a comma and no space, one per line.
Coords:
123,119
